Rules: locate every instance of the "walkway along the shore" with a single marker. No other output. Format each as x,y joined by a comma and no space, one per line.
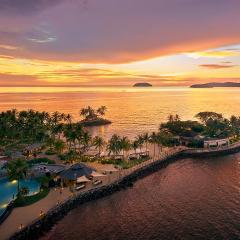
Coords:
125,179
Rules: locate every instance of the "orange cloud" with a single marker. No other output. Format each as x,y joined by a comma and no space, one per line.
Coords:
216,66
109,31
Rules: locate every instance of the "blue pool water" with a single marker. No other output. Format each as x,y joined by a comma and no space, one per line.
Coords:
9,188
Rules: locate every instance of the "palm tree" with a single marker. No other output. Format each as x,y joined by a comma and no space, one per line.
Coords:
235,125
71,156
145,137
70,136
68,118
140,141
135,145
59,146
114,145
84,112
86,139
57,129
170,118
177,118
164,139
98,142
102,110
50,142
56,117
124,145
174,118
153,139
17,170
88,113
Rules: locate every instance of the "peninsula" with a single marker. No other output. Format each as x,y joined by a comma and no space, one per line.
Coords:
216,84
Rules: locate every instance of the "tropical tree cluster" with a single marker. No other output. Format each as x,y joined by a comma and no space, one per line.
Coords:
215,125
17,170
90,113
30,125
178,127
117,144
210,124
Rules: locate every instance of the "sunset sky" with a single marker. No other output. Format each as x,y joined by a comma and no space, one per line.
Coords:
118,42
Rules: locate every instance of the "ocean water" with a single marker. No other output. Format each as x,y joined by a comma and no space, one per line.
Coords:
132,110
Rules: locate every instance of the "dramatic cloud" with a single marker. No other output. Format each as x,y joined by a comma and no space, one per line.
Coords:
118,42
115,31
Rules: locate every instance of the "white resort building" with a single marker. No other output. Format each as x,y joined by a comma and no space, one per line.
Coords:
213,143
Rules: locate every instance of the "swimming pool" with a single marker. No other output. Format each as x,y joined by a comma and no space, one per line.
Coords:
8,190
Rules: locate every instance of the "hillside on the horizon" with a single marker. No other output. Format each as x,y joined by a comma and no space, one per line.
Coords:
216,84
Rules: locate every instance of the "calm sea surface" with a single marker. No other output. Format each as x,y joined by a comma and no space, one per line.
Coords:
189,199
132,110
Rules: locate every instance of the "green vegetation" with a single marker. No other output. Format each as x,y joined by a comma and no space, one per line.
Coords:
176,127
44,181
50,152
93,117
26,127
17,170
215,125
91,114
211,125
71,141
132,163
98,143
40,160
124,164
28,200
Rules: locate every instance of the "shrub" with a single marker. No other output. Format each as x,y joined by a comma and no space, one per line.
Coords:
50,152
196,144
28,200
41,160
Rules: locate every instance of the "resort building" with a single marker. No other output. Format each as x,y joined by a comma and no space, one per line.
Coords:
47,169
138,153
75,173
214,143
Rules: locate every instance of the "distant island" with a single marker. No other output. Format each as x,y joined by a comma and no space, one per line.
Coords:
216,84
143,84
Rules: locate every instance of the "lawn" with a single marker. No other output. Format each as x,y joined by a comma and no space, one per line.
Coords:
124,164
131,163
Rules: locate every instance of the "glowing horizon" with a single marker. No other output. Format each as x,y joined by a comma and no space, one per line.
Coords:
118,43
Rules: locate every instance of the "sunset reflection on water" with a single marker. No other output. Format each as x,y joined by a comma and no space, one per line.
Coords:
132,110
